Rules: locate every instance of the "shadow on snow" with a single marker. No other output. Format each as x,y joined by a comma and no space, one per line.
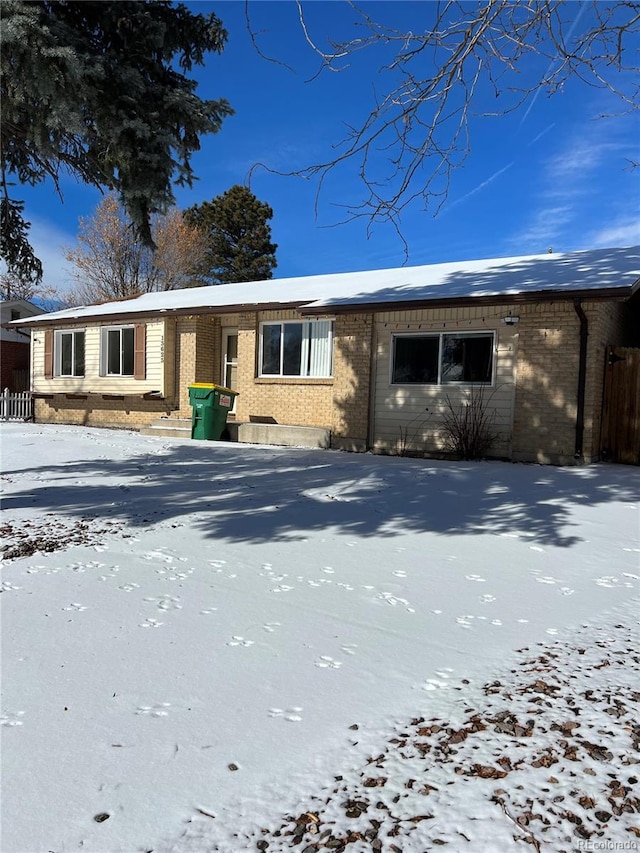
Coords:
258,495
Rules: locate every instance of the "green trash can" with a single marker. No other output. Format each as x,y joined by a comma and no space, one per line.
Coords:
210,405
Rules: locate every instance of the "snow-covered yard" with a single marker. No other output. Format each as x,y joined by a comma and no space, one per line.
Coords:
214,647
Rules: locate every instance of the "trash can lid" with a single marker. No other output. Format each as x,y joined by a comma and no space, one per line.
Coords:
212,387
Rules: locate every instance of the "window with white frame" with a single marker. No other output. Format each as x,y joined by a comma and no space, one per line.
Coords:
69,353
295,348
444,359
117,349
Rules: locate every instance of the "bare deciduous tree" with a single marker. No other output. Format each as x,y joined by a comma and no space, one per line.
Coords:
111,263
431,83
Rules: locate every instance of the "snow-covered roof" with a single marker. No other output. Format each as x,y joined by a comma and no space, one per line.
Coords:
593,270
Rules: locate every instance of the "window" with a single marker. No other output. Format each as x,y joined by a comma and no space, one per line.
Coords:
117,351
69,354
296,349
443,359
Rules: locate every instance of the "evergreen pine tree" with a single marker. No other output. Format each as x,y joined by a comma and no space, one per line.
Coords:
236,227
100,90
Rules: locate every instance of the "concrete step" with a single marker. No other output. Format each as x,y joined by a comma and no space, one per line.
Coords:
169,428
247,433
281,434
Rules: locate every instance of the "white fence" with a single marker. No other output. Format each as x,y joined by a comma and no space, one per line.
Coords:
16,407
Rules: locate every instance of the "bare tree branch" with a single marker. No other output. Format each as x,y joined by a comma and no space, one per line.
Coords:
418,130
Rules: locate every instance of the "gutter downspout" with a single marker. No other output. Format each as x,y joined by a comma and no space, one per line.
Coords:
582,378
373,343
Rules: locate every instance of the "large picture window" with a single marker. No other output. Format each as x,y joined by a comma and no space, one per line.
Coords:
296,349
69,354
117,351
443,359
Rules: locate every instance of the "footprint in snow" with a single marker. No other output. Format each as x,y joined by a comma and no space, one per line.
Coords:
566,590
150,623
435,684
166,602
547,579
608,581
9,719
270,627
475,578
208,611
399,573
394,600
217,564
129,587
159,710
487,599
240,641
158,555
75,606
292,715
325,662
445,672
349,648
282,588
327,570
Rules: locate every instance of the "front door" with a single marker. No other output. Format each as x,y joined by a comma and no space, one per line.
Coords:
230,361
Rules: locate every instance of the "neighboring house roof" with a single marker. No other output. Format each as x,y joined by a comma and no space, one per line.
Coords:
22,309
595,273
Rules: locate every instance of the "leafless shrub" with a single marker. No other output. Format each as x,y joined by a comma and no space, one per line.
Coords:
468,428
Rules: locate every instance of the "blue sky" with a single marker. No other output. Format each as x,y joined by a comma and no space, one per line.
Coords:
553,174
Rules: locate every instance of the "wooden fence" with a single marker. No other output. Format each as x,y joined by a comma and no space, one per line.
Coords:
16,406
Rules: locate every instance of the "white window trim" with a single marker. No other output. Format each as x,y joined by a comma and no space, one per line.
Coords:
440,335
104,350
57,353
305,344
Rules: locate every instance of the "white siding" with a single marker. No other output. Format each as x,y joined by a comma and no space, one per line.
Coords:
408,418
159,346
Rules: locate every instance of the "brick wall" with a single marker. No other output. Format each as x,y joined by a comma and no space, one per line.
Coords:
15,356
293,401
127,413
547,379
351,388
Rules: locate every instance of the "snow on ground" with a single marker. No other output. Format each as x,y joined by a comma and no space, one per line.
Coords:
223,647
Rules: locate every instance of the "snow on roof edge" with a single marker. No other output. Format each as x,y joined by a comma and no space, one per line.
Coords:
599,269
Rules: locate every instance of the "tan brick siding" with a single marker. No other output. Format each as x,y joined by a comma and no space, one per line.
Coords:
547,371
534,396
129,413
197,356
351,388
293,401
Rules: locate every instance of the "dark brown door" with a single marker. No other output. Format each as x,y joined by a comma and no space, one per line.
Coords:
620,437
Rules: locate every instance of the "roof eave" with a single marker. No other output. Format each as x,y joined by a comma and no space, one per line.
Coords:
161,313
617,294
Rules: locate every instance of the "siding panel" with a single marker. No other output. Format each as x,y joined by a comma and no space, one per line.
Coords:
409,418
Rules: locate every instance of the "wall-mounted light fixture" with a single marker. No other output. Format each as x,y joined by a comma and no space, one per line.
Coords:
510,319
